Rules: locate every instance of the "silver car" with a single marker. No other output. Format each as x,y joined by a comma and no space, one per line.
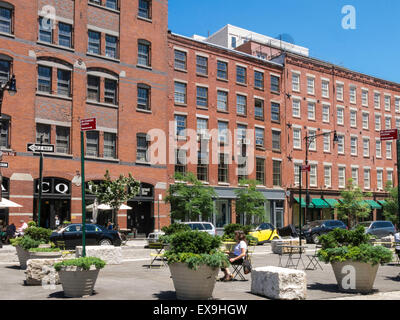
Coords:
379,228
202,226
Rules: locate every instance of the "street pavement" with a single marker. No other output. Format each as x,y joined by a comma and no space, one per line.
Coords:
133,280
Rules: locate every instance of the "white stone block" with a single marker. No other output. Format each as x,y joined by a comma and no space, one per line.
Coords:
279,283
110,254
42,272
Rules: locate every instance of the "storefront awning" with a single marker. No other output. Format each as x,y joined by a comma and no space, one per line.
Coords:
382,202
332,202
229,193
320,203
373,204
303,203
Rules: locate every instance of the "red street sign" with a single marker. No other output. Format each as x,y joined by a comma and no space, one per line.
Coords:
390,134
306,168
88,124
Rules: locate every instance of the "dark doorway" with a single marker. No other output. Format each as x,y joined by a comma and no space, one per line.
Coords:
140,217
51,208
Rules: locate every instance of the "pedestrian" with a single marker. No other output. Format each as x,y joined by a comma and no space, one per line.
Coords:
10,231
109,225
21,229
237,255
57,221
397,243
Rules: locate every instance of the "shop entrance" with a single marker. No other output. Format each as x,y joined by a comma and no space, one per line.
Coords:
51,208
141,216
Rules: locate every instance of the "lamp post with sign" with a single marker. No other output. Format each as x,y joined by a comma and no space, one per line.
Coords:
158,218
86,125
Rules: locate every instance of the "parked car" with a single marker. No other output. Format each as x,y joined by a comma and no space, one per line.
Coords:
202,226
378,228
95,235
154,237
265,232
312,230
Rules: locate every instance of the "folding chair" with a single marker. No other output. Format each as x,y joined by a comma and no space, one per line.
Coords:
158,255
238,267
313,259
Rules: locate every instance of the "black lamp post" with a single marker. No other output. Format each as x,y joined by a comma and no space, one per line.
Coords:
11,87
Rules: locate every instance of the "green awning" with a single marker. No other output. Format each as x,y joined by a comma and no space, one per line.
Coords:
332,202
320,203
382,202
373,204
303,203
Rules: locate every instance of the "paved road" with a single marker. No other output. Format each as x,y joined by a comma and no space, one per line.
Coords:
134,281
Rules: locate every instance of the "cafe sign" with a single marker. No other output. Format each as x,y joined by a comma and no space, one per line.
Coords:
54,186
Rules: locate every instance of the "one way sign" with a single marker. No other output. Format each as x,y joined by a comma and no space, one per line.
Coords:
40,147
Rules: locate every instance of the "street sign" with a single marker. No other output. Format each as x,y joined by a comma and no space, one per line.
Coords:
8,153
88,124
390,134
3,164
306,168
40,147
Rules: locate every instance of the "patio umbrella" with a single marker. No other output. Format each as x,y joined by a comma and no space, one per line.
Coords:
5,203
107,207
95,211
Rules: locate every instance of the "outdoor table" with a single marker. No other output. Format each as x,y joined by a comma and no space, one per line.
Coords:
293,250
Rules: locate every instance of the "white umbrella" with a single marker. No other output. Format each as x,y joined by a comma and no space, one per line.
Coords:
107,207
5,203
95,211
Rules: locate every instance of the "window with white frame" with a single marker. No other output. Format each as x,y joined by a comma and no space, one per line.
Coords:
327,143
389,177
180,125
342,177
377,100
398,123
379,179
340,115
365,120
353,146
295,82
297,138
397,104
222,100
325,113
328,176
180,93
388,149
325,89
387,103
353,94
296,105
364,98
312,140
353,118
340,144
367,180
223,132
296,174
378,148
311,111
365,147
378,122
354,176
202,125
259,132
310,85
339,92
313,175
388,123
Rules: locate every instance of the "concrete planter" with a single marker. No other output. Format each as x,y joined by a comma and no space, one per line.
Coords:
193,284
354,276
45,255
77,282
23,256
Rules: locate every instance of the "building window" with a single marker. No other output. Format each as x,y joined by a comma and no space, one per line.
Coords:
241,133
275,112
259,132
4,134
111,46
222,100
313,175
259,109
353,142
112,4
62,139
378,122
366,148
202,166
354,176
202,97
388,150
276,173
325,89
378,147
327,143
223,168
377,100
110,91
233,42
110,145
92,143
65,35
364,98
296,174
202,126
397,123
387,103
296,138
64,82
296,108
379,179
353,94
222,70
397,104
145,9
311,111
260,171
388,123
259,80
353,118
342,177
93,88
310,85
339,92
241,104
4,71
312,141
180,93
340,144
180,60
328,176
365,122
340,116
43,133
143,97
94,42
241,75
201,65
276,140
144,53
367,183
275,84
5,20
325,113
390,177
180,161
295,82
242,168
46,30
223,132
180,125
44,79
142,146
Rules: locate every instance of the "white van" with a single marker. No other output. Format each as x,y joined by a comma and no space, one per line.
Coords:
202,226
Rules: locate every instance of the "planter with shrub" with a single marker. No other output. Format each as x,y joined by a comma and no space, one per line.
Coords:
354,260
78,276
172,229
45,253
194,260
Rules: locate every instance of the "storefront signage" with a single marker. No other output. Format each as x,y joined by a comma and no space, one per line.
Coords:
54,186
390,134
88,124
40,147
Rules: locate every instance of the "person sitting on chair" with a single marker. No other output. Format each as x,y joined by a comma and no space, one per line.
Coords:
397,243
238,254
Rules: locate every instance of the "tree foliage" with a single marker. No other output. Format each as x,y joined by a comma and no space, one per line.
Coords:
189,198
249,200
391,207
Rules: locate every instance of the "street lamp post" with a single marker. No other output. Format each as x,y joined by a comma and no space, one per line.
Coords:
11,87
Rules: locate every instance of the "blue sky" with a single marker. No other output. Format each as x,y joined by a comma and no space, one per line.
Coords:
372,48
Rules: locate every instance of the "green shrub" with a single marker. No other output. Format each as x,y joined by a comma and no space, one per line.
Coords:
39,234
31,224
229,230
340,245
44,250
196,248
175,227
26,242
84,262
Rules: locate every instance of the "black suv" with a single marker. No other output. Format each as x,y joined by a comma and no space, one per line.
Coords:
312,230
96,235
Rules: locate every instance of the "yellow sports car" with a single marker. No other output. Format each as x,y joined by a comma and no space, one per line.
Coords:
265,232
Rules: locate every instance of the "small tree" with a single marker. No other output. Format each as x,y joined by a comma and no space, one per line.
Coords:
352,207
391,207
115,192
249,200
189,198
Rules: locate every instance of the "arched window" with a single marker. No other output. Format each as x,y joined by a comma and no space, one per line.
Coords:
110,86
52,68
144,53
143,96
6,17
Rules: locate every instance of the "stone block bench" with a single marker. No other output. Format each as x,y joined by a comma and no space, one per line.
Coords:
110,254
279,283
41,272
